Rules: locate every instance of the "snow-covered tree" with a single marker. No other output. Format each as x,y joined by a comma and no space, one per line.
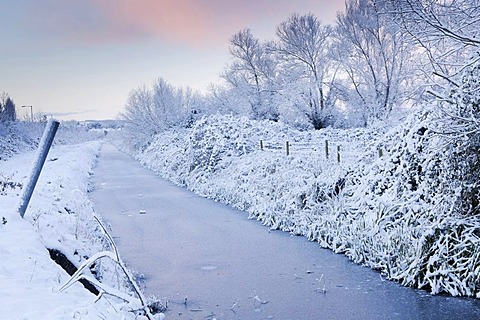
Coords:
7,108
141,122
150,112
303,52
173,106
446,31
373,53
250,75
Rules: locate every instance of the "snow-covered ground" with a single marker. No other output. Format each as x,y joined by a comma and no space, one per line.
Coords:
59,217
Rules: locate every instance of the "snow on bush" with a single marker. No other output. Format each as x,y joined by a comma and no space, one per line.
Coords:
399,214
404,217
424,197
220,158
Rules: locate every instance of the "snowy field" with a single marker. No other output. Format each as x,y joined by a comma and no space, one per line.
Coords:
60,217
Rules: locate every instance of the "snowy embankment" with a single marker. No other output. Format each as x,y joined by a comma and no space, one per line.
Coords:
60,218
393,213
17,137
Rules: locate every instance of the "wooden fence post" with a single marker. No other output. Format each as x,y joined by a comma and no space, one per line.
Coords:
287,146
380,152
261,145
326,149
338,154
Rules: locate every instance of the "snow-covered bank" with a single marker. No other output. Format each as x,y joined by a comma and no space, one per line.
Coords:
395,213
17,137
61,217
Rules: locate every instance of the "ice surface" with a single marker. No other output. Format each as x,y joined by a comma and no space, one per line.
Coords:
208,260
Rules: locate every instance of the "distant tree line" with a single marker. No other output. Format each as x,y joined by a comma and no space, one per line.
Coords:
7,108
380,56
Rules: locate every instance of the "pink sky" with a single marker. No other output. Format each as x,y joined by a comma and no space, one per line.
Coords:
193,22
88,54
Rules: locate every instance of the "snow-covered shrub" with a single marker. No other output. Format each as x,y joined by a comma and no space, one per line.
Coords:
219,137
220,157
416,210
6,185
150,112
14,138
184,155
459,126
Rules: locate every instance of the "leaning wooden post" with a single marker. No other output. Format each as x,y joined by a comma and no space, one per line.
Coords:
380,152
338,154
287,146
326,149
41,156
261,145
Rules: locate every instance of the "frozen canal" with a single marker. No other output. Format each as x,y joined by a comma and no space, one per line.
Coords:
209,261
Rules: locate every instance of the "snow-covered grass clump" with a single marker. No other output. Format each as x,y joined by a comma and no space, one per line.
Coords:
396,213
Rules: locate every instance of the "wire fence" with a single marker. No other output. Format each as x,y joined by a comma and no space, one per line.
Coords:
329,150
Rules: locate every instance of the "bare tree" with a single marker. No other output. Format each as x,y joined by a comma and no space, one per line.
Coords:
141,122
251,74
7,108
373,53
432,20
446,30
303,49
150,112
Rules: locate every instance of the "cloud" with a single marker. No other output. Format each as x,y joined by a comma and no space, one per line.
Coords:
198,23
67,114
